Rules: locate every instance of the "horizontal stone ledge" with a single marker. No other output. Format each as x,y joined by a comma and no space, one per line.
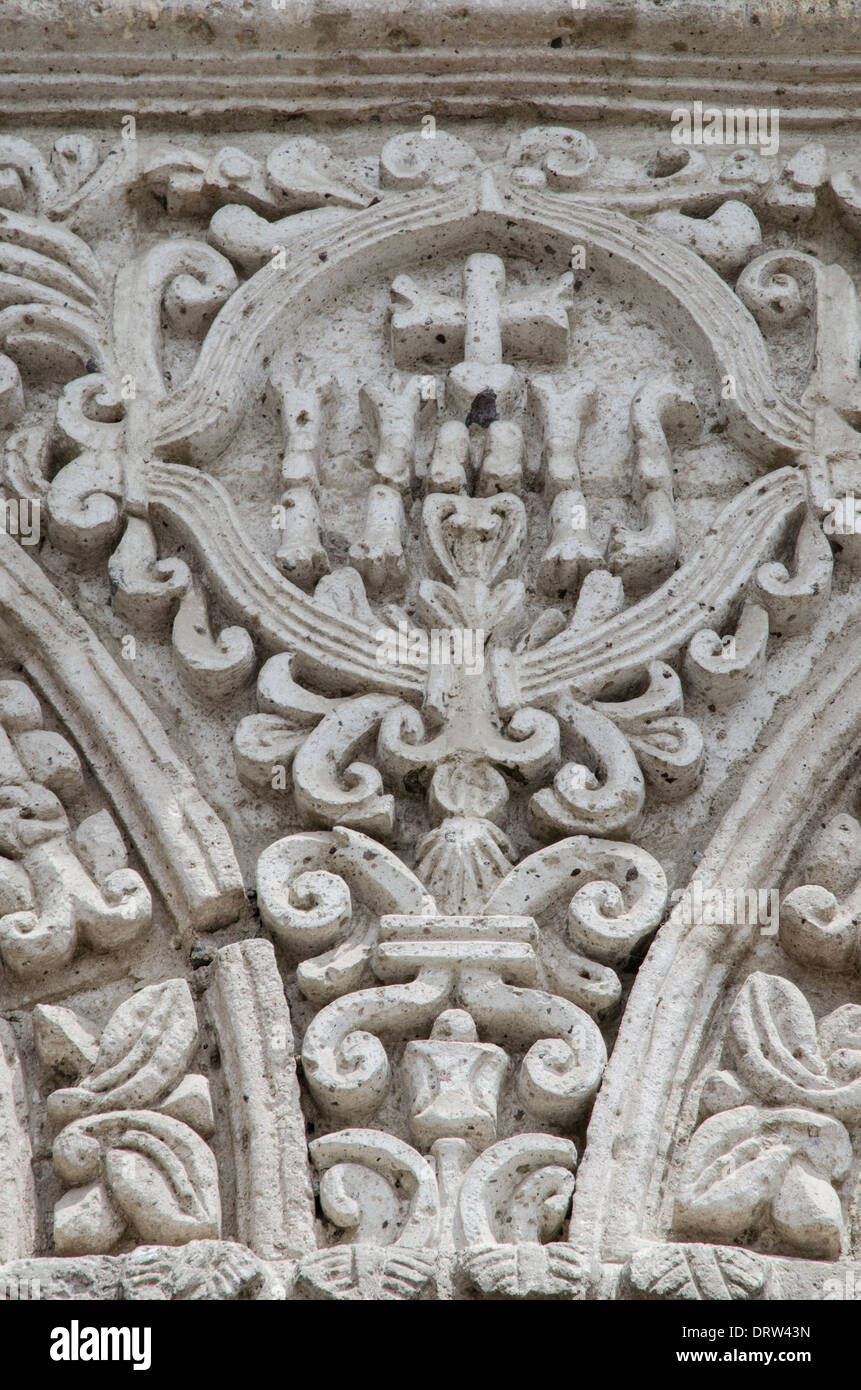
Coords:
253,60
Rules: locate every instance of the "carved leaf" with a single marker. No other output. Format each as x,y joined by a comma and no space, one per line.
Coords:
51,284
145,1051
358,1272
167,1197
692,1272
262,744
62,1041
669,748
518,1271
779,1054
155,1171
745,1164
204,1270
307,175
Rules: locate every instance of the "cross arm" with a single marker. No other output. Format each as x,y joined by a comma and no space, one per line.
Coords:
537,326
425,325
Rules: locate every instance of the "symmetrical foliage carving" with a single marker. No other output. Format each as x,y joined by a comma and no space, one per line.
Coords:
440,981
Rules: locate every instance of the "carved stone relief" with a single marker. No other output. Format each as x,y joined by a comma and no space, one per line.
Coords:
428,710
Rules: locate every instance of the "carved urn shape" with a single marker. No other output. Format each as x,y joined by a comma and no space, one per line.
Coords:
454,1082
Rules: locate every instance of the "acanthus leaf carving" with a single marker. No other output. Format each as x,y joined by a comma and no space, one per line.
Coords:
133,1169
143,1054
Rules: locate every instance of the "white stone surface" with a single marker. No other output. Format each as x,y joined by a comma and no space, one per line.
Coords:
429,676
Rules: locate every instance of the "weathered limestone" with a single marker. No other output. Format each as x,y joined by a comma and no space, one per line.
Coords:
255,1038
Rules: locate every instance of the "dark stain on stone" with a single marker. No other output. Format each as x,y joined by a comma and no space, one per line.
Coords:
483,411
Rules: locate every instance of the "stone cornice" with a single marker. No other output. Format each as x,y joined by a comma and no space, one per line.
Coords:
249,61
